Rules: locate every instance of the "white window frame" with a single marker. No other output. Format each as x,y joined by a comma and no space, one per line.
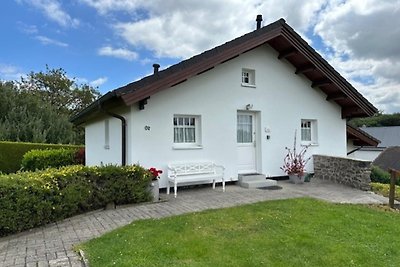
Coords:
180,120
248,77
310,125
107,134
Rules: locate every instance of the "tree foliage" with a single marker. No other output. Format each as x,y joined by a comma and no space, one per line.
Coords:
37,108
378,120
61,92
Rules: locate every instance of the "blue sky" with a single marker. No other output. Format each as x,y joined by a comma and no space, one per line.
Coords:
31,40
109,43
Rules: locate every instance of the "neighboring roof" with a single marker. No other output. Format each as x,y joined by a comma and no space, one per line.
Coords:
389,159
360,138
281,37
389,135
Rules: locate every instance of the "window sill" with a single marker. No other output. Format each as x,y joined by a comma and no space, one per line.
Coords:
309,144
248,85
186,147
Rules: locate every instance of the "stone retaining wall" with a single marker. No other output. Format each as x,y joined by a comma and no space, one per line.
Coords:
354,173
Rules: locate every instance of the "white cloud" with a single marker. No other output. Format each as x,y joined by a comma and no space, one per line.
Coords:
48,41
9,72
361,37
118,53
365,37
29,29
180,29
106,6
53,10
98,82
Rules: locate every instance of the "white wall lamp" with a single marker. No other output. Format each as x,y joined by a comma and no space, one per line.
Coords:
249,106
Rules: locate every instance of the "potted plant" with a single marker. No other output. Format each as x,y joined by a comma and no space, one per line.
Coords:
294,164
154,186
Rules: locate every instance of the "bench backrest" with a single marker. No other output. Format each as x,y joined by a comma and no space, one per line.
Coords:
189,168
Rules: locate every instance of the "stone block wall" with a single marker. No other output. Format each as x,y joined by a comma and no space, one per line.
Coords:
354,173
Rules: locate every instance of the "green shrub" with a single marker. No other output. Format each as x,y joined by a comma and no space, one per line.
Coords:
30,199
383,189
380,176
37,159
11,153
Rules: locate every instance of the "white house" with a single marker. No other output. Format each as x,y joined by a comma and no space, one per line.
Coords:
238,105
361,145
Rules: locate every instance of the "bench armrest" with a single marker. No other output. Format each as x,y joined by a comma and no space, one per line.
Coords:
219,169
220,166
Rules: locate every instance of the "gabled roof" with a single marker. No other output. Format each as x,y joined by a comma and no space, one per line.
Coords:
389,159
389,135
360,138
280,36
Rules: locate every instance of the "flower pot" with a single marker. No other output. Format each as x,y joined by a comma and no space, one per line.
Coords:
296,179
155,190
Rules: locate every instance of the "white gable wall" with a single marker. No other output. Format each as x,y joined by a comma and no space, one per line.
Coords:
281,99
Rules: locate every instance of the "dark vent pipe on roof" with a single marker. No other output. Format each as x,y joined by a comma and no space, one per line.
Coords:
259,20
156,67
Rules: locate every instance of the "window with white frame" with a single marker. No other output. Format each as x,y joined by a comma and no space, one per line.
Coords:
244,133
186,130
309,133
107,134
248,77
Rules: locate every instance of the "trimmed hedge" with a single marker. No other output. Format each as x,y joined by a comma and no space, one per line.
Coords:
11,153
37,159
30,199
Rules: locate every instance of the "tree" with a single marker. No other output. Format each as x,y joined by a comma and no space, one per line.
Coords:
57,89
378,120
37,108
27,118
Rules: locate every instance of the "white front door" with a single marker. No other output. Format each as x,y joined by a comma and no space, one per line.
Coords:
246,145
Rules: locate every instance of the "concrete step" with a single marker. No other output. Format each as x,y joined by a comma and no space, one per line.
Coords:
251,177
258,184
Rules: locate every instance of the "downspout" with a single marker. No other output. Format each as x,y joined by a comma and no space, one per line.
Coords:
123,131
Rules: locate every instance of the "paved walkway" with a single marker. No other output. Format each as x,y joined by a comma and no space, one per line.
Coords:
52,245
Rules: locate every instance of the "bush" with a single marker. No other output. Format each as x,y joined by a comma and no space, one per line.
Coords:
52,158
11,153
383,189
380,176
30,199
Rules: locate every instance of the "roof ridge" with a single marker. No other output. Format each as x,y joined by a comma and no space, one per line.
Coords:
256,32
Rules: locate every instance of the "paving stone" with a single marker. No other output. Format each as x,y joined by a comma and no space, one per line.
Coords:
52,245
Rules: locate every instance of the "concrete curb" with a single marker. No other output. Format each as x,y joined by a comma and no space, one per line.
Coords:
84,260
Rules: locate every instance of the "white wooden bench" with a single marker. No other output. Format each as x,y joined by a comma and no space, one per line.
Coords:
189,172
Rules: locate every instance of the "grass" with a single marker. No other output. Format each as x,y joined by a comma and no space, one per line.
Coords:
383,189
296,232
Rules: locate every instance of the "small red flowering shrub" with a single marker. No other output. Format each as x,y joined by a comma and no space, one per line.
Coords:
293,162
156,173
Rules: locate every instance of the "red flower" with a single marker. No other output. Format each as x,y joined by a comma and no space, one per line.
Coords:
156,173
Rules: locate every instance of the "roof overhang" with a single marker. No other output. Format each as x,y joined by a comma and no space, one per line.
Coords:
281,37
360,138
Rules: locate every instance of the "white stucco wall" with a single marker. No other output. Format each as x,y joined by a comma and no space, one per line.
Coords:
281,99
96,151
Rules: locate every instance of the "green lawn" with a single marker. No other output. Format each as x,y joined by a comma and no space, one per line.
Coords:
297,232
